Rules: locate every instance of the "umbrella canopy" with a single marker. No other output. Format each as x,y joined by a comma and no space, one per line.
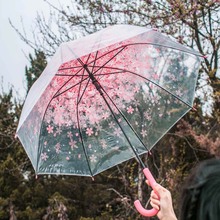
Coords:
106,98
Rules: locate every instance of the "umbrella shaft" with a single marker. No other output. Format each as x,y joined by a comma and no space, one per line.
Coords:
94,80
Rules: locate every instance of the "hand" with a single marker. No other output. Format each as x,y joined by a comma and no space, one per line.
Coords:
163,203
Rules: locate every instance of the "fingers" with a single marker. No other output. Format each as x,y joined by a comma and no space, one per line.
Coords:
154,200
154,195
155,203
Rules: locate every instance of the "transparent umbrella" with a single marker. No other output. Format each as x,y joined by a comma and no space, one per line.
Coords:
106,98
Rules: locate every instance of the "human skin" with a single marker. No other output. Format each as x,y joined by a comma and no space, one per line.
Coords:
162,201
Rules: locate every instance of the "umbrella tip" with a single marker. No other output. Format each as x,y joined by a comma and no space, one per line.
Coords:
93,179
194,109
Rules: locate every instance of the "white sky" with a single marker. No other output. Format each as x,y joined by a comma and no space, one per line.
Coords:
13,50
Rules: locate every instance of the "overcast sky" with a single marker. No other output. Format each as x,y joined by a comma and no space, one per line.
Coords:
13,50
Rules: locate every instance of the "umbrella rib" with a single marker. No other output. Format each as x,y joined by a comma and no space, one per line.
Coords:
133,44
70,78
80,134
169,47
113,114
81,62
136,74
69,68
79,98
109,59
79,128
154,44
57,93
121,113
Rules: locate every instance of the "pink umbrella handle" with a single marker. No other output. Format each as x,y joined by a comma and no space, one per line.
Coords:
137,204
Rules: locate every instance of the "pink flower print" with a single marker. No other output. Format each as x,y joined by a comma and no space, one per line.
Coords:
136,89
93,158
155,76
147,116
67,158
103,144
111,124
79,156
98,127
72,144
136,102
130,110
57,148
69,134
68,123
89,131
44,156
118,132
144,133
49,129
58,131
105,115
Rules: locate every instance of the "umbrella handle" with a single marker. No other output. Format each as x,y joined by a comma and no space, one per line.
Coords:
137,204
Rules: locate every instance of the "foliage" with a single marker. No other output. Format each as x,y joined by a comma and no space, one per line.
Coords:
38,64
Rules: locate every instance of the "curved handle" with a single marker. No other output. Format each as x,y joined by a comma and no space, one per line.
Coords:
137,204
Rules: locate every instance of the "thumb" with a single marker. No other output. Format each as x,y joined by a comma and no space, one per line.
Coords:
158,189
147,182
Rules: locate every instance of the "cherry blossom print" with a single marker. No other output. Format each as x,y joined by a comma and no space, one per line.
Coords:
72,144
111,124
98,127
69,134
144,133
105,115
118,132
155,76
130,110
50,129
103,144
93,158
58,148
89,131
147,116
44,156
